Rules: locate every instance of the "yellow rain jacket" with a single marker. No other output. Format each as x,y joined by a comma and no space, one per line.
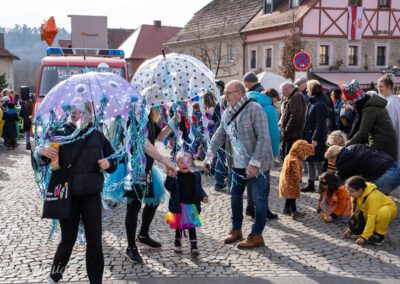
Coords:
378,210
1,122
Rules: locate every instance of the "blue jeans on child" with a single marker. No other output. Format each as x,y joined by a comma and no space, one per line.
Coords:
221,170
258,185
389,181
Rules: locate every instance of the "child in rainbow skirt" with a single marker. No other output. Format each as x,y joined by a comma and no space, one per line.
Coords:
184,205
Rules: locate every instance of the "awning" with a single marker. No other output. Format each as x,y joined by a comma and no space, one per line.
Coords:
363,78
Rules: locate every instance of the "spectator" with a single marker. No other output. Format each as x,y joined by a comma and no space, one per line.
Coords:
250,159
336,95
25,113
301,84
372,124
274,95
379,210
315,131
293,117
334,202
250,81
385,87
10,133
1,118
359,159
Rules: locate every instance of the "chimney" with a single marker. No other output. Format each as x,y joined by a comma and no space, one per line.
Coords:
2,45
157,23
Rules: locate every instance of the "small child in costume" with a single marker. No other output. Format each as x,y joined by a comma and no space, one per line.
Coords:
289,181
184,205
334,202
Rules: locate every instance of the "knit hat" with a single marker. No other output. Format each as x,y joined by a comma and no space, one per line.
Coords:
250,77
352,92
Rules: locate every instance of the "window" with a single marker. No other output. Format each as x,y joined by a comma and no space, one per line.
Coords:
268,57
230,53
355,2
353,55
216,53
295,3
267,6
253,59
383,4
324,55
381,56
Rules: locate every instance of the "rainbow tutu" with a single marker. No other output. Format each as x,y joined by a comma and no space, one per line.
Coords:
188,218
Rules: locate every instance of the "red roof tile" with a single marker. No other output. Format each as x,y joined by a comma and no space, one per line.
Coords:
4,53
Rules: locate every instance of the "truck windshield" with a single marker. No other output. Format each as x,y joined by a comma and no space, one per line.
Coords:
52,75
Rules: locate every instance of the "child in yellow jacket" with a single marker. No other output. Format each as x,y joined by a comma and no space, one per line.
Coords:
378,210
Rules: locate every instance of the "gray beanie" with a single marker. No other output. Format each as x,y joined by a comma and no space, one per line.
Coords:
250,77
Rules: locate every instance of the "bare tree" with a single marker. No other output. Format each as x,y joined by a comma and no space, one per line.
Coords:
292,45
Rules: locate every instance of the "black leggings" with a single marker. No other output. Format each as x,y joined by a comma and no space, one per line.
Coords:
132,212
89,207
291,204
192,234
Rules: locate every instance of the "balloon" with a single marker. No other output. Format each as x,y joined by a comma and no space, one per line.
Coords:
48,31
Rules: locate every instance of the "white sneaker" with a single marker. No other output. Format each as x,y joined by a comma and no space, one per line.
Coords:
51,281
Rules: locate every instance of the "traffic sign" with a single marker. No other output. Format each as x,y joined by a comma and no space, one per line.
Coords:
302,61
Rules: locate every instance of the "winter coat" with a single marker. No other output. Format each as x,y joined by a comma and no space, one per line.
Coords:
393,108
10,118
1,122
86,175
362,160
375,201
316,128
292,169
266,103
172,185
27,121
376,126
338,205
257,88
293,116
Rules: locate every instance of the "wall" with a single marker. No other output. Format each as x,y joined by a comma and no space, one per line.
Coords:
6,66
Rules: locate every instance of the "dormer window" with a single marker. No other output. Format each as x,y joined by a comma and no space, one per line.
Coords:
267,6
295,3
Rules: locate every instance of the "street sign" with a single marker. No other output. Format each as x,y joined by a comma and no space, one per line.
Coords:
302,61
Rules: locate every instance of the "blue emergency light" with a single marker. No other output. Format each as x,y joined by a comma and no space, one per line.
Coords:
89,52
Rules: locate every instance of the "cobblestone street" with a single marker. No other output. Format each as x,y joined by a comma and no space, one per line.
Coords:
308,248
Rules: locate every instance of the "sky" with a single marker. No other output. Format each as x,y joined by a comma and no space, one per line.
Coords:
120,13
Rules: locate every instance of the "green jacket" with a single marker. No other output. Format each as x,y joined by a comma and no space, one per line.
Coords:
377,127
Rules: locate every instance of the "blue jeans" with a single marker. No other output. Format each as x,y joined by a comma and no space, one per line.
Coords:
258,185
221,169
250,202
389,180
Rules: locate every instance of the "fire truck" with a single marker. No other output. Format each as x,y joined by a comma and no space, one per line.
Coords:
62,63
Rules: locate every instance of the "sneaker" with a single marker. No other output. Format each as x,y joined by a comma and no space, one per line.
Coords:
271,216
148,241
51,281
376,239
287,211
178,246
297,215
193,248
133,255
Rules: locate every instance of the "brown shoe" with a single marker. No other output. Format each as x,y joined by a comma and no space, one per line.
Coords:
234,236
252,241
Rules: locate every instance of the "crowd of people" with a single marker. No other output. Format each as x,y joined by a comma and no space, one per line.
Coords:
14,118
346,141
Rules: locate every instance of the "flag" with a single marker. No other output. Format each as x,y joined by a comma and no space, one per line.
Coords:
355,23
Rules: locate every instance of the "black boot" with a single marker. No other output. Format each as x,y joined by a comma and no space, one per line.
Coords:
310,187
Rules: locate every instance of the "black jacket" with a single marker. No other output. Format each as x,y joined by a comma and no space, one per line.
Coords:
362,160
316,127
171,184
86,175
257,88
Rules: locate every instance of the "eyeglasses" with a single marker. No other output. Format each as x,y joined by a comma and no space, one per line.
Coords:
228,93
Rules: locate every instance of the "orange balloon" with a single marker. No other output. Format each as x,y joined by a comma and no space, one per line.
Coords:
48,31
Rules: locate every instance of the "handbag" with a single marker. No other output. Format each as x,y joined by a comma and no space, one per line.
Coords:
57,202
357,220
